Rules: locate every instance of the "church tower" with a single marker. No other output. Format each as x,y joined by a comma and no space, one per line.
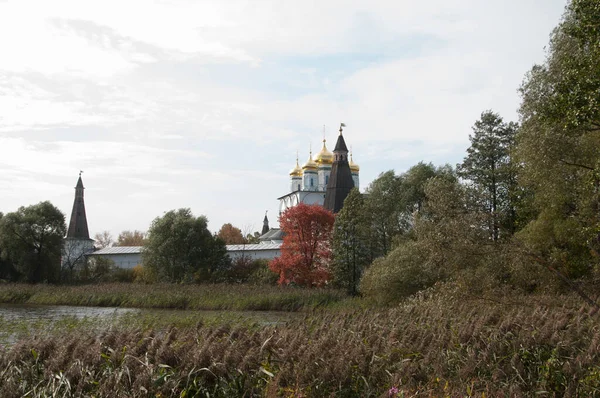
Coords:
78,227
324,161
77,242
309,174
296,177
340,180
265,227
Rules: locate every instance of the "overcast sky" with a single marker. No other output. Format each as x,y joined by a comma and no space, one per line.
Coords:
203,104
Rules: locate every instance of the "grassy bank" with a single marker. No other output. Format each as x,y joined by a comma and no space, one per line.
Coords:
443,345
173,296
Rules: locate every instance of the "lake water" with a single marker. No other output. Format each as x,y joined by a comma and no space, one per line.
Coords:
26,319
25,312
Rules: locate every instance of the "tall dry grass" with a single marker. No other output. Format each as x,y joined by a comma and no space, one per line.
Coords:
440,344
163,295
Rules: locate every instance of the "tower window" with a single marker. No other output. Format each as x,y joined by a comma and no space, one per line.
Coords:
298,187
326,180
311,182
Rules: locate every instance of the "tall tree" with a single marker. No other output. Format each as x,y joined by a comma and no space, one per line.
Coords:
351,242
32,239
386,209
489,168
180,248
131,238
7,269
231,235
559,140
104,239
306,249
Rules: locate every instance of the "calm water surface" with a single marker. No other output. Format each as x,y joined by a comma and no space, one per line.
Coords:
27,319
28,312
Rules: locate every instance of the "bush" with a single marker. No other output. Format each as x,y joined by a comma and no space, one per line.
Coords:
403,272
262,274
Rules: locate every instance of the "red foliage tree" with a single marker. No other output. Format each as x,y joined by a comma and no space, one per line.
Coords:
306,248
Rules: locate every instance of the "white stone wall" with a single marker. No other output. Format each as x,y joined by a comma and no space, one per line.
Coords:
309,176
296,183
356,181
74,250
123,260
324,172
254,254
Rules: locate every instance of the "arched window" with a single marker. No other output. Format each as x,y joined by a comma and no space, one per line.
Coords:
326,180
311,182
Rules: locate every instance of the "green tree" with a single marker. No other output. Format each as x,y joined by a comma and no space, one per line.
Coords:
32,238
179,247
558,144
351,239
385,207
489,168
7,270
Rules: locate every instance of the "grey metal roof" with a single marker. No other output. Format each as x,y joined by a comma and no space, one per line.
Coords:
272,234
254,247
118,250
138,249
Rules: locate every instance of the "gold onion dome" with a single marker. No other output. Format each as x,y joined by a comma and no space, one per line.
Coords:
296,171
310,164
353,166
324,157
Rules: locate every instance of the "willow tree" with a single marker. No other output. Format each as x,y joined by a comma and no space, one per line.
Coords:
559,140
31,239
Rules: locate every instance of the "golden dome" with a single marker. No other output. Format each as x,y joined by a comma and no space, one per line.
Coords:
310,164
324,157
353,166
296,171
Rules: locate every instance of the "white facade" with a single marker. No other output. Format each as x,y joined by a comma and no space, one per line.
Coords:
125,257
263,250
294,198
310,180
355,178
309,183
324,172
296,183
74,251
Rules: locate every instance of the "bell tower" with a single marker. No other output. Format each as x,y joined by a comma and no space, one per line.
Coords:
340,181
78,226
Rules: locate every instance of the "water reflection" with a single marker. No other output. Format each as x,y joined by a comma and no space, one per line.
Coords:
27,312
26,320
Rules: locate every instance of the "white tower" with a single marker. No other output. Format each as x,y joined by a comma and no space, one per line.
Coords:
324,161
309,173
296,177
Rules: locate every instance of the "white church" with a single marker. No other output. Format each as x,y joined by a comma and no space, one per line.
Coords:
328,174
308,183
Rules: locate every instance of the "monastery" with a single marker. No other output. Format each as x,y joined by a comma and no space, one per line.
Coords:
325,180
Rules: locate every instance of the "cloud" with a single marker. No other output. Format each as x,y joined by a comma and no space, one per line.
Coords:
180,103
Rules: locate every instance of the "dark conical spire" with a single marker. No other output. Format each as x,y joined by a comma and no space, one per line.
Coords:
78,227
265,228
340,180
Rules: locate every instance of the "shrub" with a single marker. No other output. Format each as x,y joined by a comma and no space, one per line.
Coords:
403,272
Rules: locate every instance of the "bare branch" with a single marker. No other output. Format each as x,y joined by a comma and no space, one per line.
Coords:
575,164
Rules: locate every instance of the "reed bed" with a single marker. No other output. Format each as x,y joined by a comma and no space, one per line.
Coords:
173,296
439,344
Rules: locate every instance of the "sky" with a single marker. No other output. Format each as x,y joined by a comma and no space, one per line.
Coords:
204,104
